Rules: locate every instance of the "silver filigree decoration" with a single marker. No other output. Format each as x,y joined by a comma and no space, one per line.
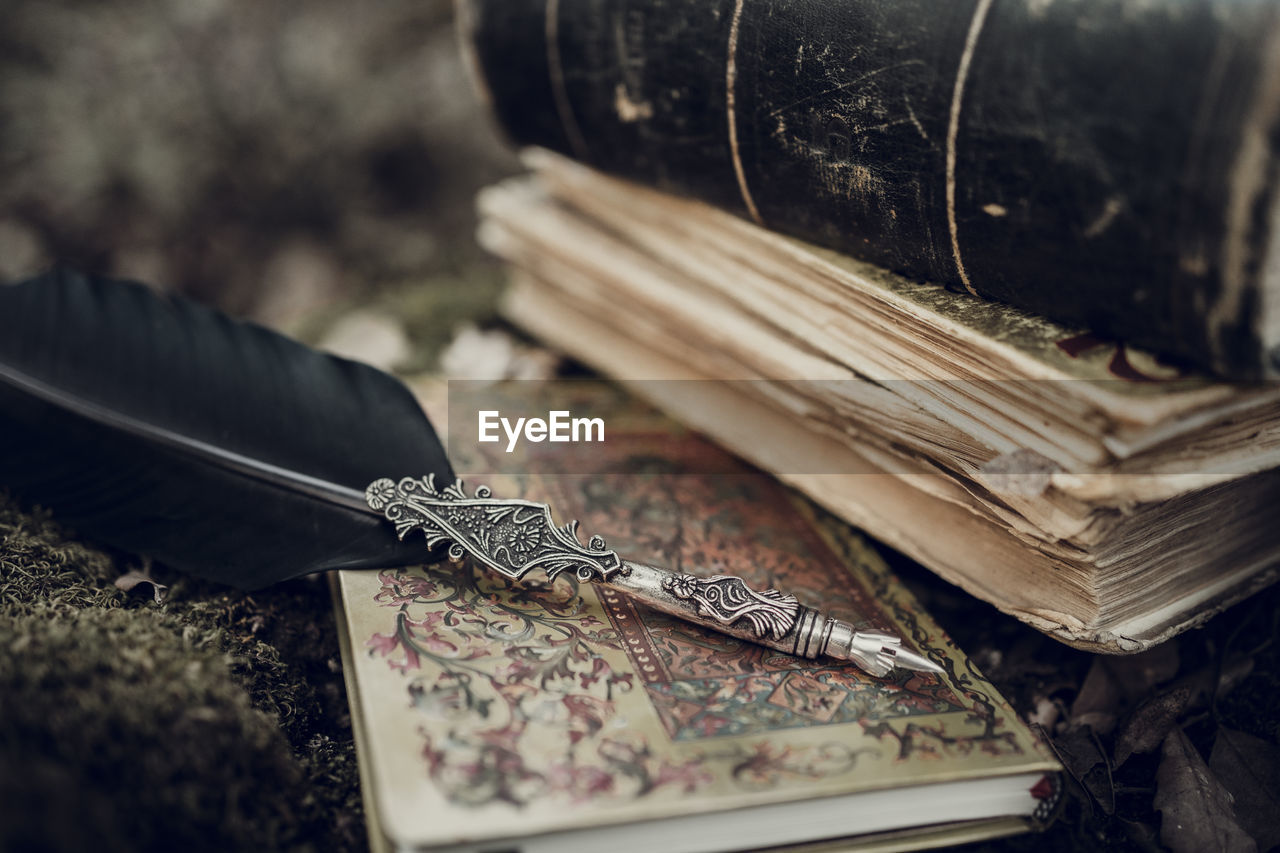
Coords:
510,536
727,599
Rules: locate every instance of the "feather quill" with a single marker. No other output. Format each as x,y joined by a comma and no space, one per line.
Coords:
214,446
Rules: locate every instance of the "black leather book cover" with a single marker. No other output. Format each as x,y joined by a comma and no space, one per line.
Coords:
1112,163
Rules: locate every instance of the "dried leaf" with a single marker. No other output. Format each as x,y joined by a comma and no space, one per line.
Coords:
1249,768
1215,680
1197,812
1142,835
1097,704
1137,674
1233,672
1086,761
1147,727
134,578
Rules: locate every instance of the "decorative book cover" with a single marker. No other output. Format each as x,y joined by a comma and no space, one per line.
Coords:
488,709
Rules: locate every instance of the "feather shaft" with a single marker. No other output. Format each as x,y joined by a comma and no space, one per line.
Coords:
265,471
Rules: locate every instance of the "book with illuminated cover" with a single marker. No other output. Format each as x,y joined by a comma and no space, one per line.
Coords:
495,716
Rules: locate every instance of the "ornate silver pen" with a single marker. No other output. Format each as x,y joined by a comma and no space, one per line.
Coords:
515,537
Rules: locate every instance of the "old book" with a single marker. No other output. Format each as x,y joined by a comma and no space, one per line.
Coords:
1076,483
534,716
1111,162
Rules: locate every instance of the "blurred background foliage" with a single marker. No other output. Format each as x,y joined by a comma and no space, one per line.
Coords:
266,157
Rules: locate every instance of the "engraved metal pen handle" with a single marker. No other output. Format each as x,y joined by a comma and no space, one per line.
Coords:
515,537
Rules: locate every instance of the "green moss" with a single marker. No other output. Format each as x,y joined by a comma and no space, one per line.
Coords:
433,311
39,565
214,721
146,732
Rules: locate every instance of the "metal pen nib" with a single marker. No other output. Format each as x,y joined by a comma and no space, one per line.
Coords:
515,537
907,659
768,617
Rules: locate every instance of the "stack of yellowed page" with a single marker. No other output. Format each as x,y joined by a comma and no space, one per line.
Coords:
1080,485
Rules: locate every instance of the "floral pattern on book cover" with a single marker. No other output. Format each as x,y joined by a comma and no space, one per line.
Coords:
533,655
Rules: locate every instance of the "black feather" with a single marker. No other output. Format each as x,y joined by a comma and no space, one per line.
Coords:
214,446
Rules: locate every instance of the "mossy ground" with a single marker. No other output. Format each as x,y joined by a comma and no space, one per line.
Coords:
214,721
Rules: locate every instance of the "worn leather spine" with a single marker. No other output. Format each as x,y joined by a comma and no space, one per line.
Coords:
1110,163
